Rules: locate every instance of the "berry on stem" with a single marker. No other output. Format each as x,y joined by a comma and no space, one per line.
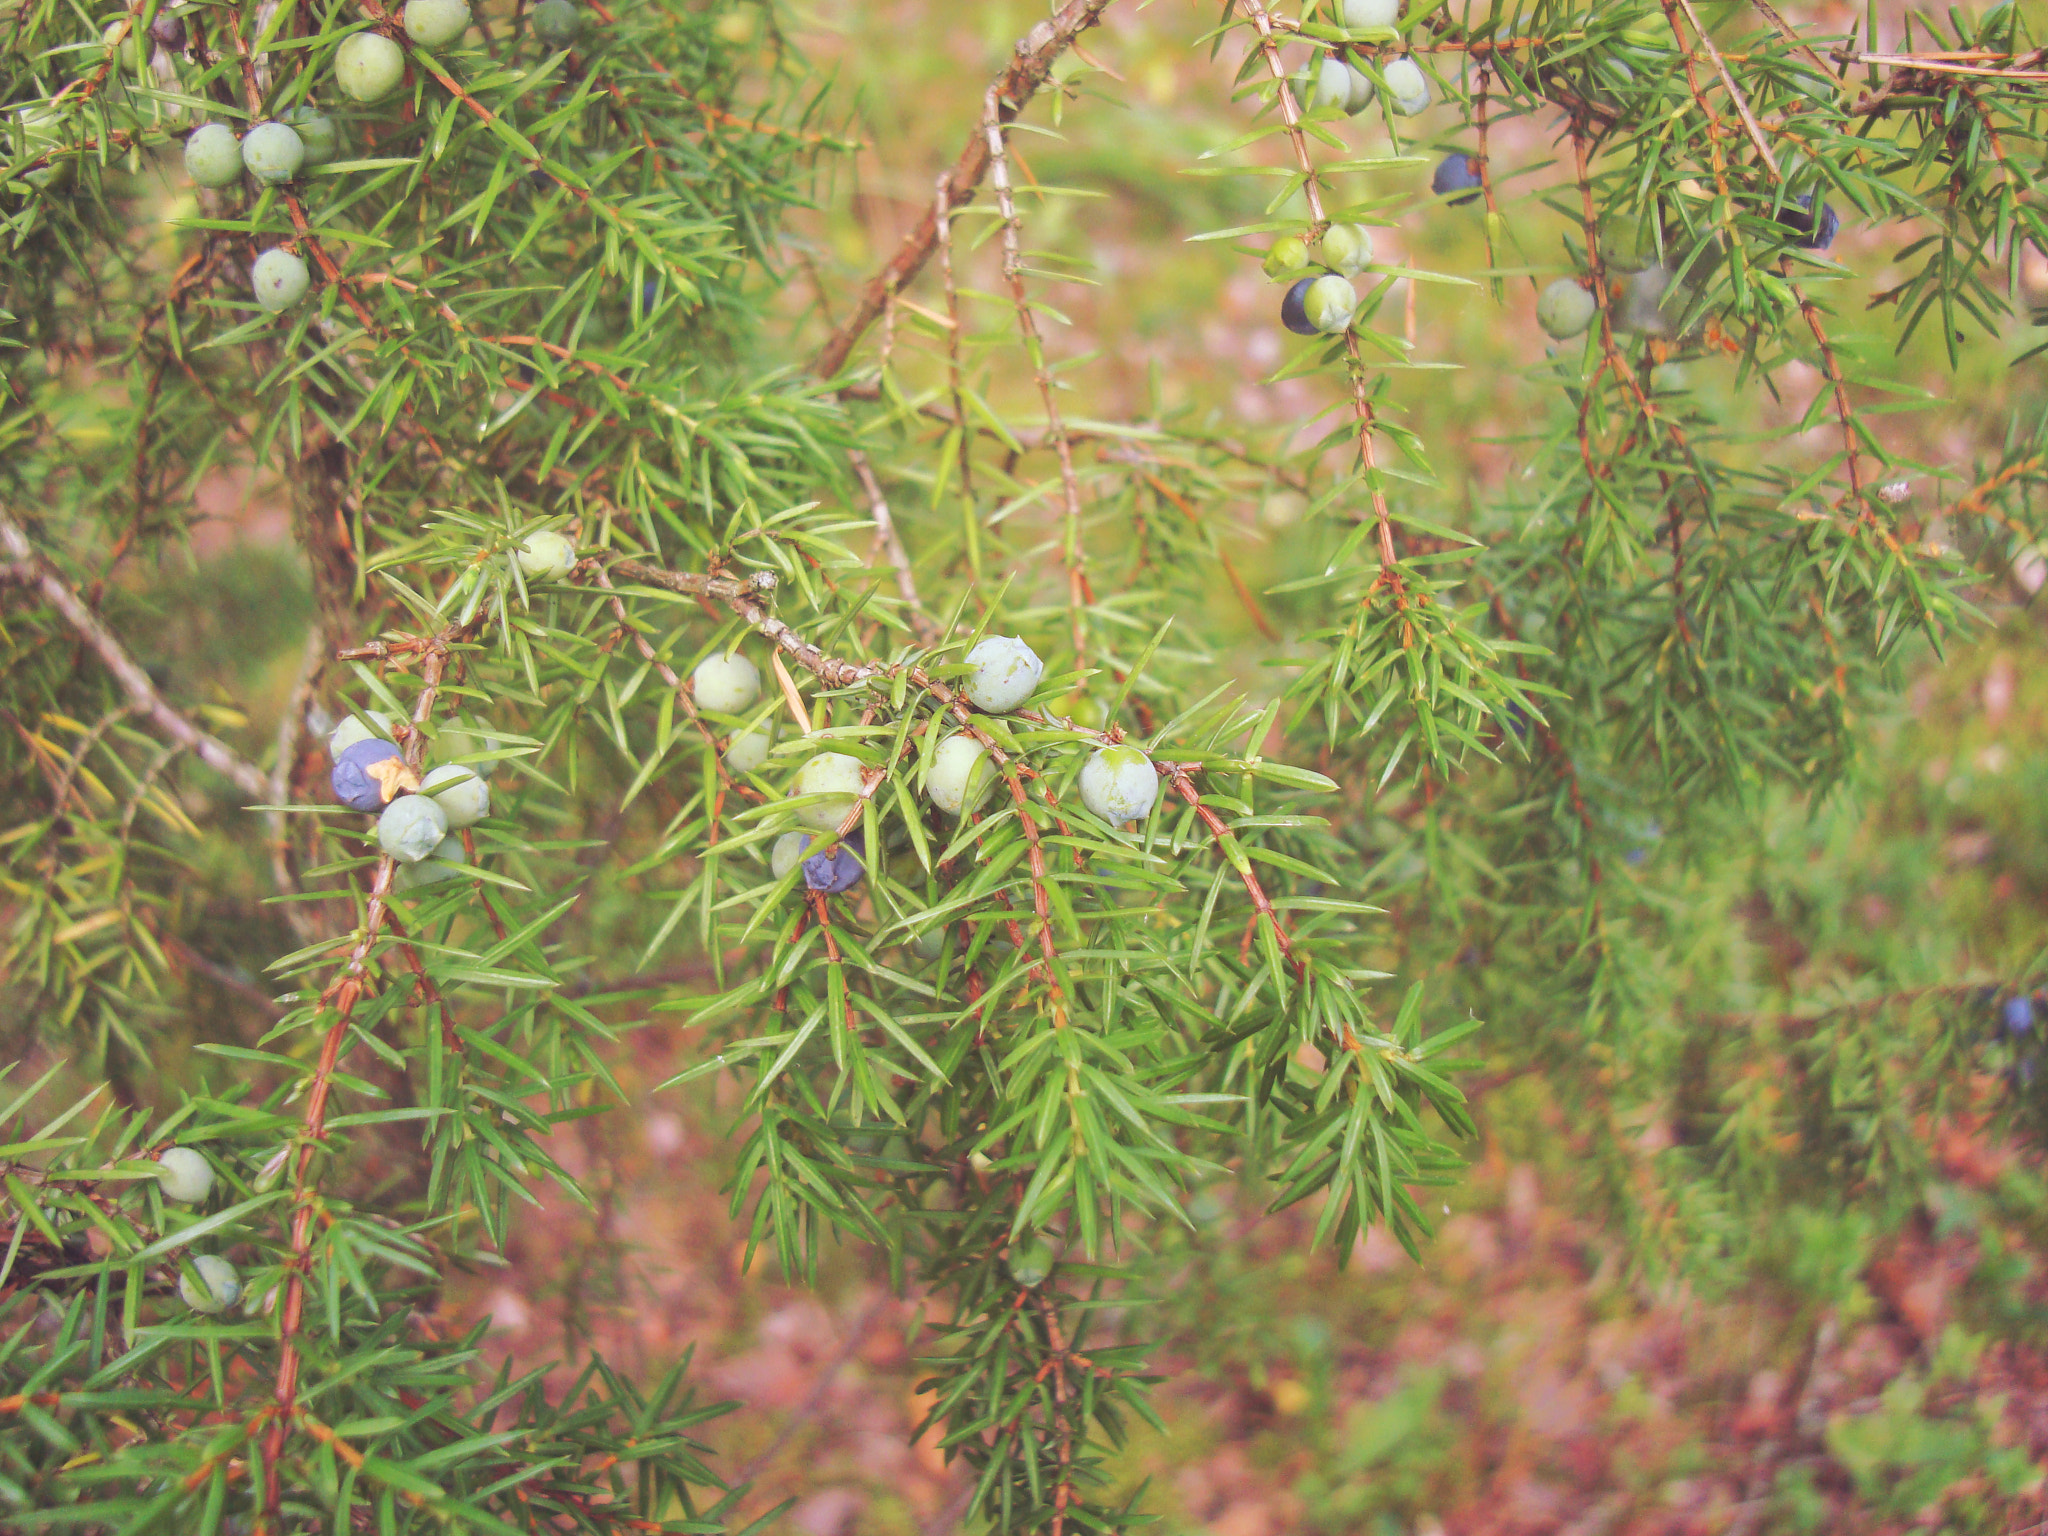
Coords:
2018,1014
278,279
547,555
446,862
212,1285
748,750
183,1175
354,728
1294,311
272,153
1031,1264
464,798
368,66
317,133
1347,248
411,828
436,23
1407,87
960,774
1006,670
1119,784
1565,308
725,683
1816,234
556,23
168,32
1362,15
1285,256
370,774
1329,304
1457,174
835,779
213,157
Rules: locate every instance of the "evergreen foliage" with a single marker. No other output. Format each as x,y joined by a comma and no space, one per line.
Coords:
553,435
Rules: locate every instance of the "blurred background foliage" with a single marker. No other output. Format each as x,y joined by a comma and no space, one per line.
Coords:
1753,1232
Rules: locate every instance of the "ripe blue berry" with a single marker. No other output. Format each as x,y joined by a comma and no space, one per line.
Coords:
411,828
1294,311
1457,173
168,32
1816,234
1006,670
370,775
212,1286
1119,785
213,157
2018,1014
828,873
272,153
278,279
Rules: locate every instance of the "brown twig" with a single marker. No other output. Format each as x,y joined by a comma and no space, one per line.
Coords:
1030,66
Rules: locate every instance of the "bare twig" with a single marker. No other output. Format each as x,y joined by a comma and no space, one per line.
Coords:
1029,68
135,682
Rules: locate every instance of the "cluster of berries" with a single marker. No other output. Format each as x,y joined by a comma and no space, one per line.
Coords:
367,67
418,818
2016,1025
208,1282
1118,783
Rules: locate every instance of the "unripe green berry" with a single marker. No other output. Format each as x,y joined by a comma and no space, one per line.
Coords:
272,153
1119,785
444,863
317,133
788,852
464,798
120,36
547,555
1347,248
1286,257
183,1175
279,279
1283,509
1647,305
836,779
960,774
1031,1264
1565,308
1330,303
213,1285
1407,87
748,750
411,828
436,23
213,157
727,684
1006,670
557,22
354,729
368,65
1361,15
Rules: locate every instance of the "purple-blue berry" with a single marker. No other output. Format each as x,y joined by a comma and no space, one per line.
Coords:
1458,173
1817,234
826,873
369,774
1294,309
2018,1015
